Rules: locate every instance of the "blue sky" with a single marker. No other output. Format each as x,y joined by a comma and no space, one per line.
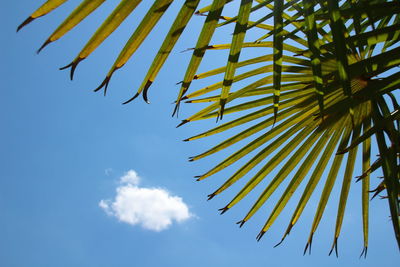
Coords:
64,149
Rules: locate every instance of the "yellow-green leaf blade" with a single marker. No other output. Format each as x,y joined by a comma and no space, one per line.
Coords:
154,14
120,13
169,42
234,53
81,12
44,9
203,41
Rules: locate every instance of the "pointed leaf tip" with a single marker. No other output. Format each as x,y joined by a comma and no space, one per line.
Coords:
241,223
308,247
145,98
73,66
103,84
223,210
222,104
285,235
182,123
131,99
260,235
145,91
26,22
176,110
334,247
43,46
280,242
364,252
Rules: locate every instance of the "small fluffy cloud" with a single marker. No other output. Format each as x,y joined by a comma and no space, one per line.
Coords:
130,178
152,208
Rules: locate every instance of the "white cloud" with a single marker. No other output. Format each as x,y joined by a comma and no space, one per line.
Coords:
130,178
152,208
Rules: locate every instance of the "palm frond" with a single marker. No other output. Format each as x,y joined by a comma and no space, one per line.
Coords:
329,68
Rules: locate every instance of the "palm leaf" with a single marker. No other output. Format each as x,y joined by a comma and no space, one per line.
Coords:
318,66
81,12
120,13
202,43
44,9
234,53
150,20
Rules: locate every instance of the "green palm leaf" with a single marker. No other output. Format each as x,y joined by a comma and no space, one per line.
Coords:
329,68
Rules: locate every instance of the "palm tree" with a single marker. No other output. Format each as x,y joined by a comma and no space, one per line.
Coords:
323,85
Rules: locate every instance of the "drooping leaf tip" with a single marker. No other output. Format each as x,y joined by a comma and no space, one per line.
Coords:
182,123
103,84
241,223
308,247
43,46
145,91
279,243
364,252
222,104
260,235
73,66
176,110
26,22
131,99
359,178
223,210
334,247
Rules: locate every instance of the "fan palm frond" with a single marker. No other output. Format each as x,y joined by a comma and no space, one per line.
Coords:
322,86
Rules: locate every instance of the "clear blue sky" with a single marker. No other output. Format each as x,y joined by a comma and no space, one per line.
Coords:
65,148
